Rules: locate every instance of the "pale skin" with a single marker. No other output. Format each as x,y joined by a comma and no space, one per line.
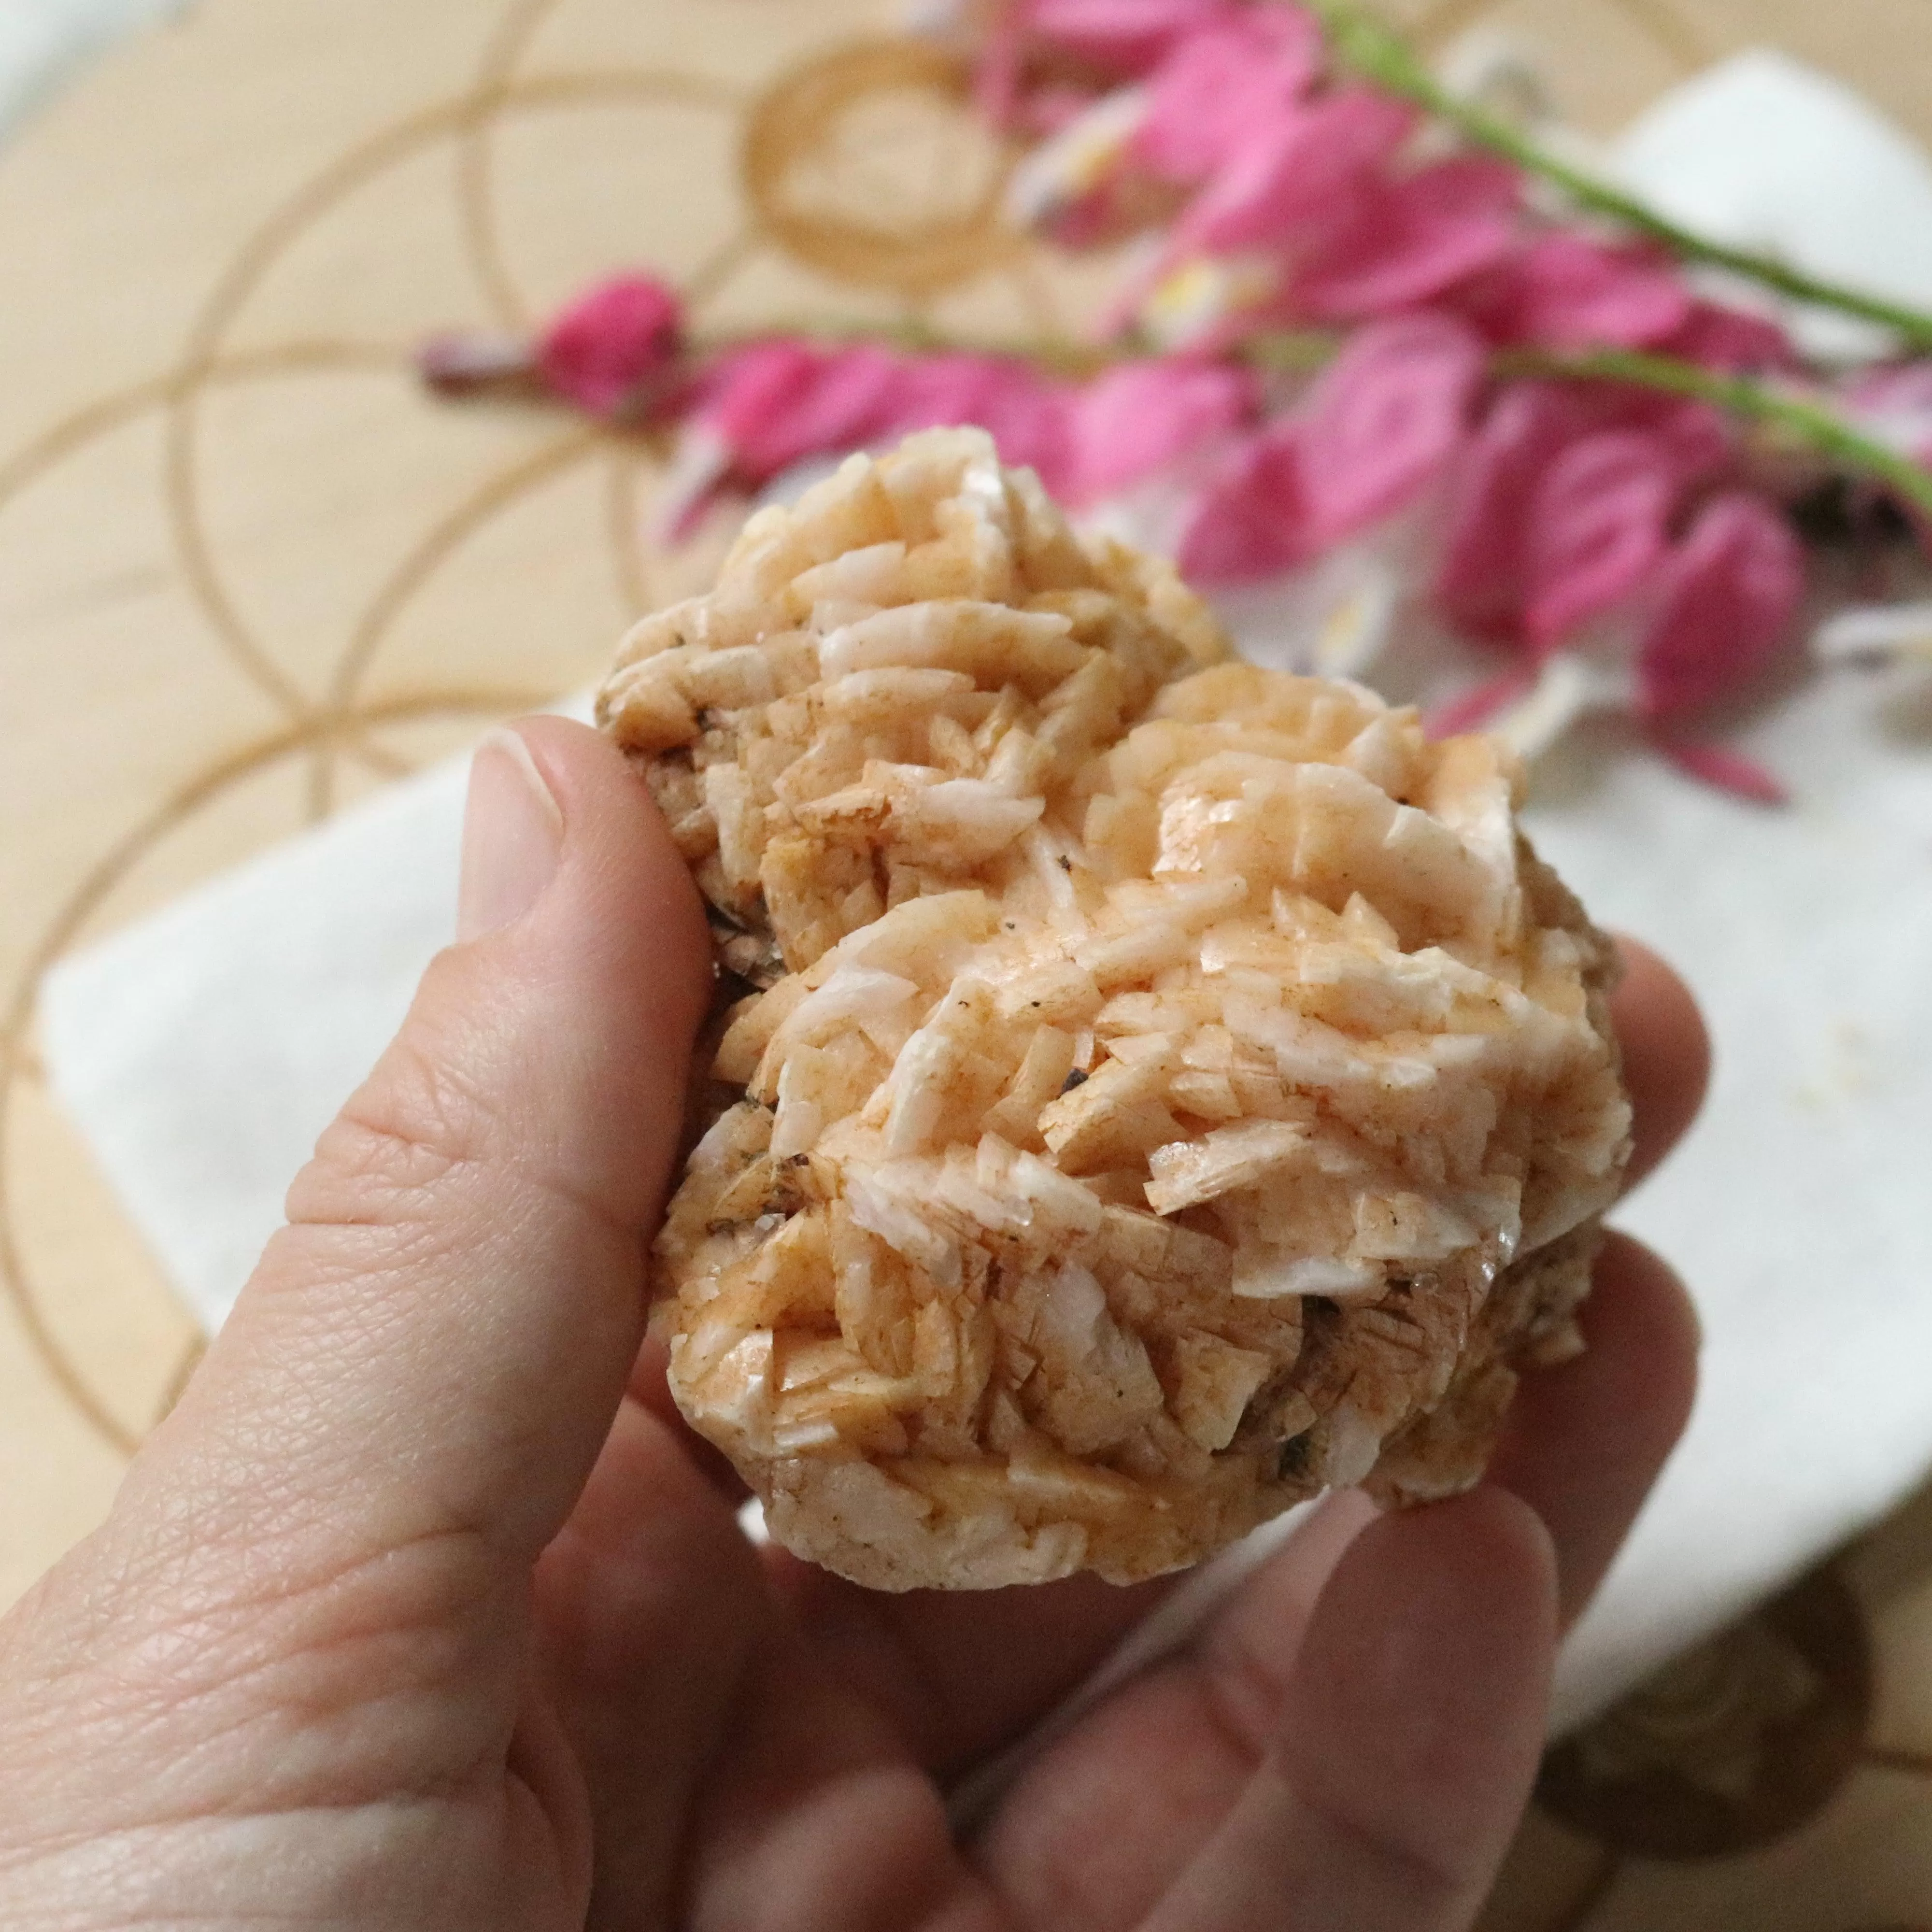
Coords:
423,1610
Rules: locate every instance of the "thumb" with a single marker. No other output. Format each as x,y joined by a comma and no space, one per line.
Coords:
438,1340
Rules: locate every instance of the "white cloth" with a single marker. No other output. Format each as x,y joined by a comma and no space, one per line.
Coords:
202,1051
1765,154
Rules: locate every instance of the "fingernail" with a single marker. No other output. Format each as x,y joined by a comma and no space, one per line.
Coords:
512,837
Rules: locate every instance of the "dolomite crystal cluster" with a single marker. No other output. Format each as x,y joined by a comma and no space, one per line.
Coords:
1158,1088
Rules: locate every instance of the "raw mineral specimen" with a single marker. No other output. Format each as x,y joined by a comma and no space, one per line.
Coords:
1161,1089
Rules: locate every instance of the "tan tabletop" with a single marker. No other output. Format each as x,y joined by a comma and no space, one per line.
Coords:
248,570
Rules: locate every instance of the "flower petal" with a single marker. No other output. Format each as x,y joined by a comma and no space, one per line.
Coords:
1729,593
1729,339
1480,582
1384,418
1140,417
1076,162
1407,242
1596,530
1567,291
1217,90
1027,414
1253,520
608,347
1128,36
796,402
1724,770
1289,171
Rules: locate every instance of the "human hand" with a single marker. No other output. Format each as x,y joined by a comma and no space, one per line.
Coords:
424,1609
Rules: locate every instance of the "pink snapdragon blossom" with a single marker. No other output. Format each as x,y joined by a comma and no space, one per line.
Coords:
1141,418
1384,417
1727,597
766,407
610,350
774,404
1596,531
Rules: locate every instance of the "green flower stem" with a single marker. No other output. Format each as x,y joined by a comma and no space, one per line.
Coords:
1804,423
1380,55
1808,424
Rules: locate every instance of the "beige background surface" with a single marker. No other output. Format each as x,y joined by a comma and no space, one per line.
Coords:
247,570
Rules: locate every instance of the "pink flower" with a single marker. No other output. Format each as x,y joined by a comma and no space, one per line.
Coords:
1378,424
1596,531
1252,520
773,404
1565,291
610,350
1480,582
1140,418
1729,593
1406,241
1127,36
1694,438
1025,412
1384,417
1290,171
1219,89
1728,339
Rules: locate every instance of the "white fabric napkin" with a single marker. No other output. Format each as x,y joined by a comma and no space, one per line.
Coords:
1764,153
202,1050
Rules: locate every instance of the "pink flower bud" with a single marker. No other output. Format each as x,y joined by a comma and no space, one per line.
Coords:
1384,417
1404,242
1728,595
1566,291
1141,417
1596,530
1480,582
1252,520
610,350
1219,89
